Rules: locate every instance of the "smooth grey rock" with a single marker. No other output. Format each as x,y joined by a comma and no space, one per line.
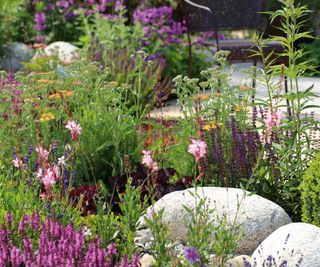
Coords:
257,216
291,243
66,52
12,55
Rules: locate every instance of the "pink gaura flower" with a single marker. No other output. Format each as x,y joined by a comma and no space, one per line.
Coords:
17,162
48,179
147,158
148,161
197,148
272,121
56,171
39,173
155,166
43,154
77,82
75,129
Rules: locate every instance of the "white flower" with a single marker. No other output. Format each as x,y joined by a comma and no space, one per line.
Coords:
86,231
62,161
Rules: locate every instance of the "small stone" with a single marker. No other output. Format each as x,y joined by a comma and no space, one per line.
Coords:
239,261
147,261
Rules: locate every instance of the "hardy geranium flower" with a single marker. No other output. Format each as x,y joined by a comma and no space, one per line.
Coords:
75,129
148,161
192,255
197,148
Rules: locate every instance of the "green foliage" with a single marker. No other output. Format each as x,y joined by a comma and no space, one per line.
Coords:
176,156
291,152
312,53
185,87
15,21
310,193
131,209
23,197
160,234
224,99
211,234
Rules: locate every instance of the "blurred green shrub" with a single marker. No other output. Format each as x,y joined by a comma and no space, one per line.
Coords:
15,21
310,193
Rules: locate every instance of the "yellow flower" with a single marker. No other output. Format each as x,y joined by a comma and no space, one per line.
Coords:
66,93
201,97
29,99
238,109
210,126
112,85
61,94
47,116
42,73
45,82
204,84
55,96
245,88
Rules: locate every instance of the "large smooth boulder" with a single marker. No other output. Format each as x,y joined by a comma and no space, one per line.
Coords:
66,52
257,216
12,55
298,244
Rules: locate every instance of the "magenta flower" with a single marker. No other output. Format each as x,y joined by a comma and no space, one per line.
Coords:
197,148
75,129
112,250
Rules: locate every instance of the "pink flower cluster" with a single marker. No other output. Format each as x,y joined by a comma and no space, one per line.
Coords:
148,161
17,162
47,173
272,121
197,148
75,129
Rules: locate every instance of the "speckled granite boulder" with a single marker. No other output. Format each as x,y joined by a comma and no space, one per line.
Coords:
66,52
297,244
257,216
12,55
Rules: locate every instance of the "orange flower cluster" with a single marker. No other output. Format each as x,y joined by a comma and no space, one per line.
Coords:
61,94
